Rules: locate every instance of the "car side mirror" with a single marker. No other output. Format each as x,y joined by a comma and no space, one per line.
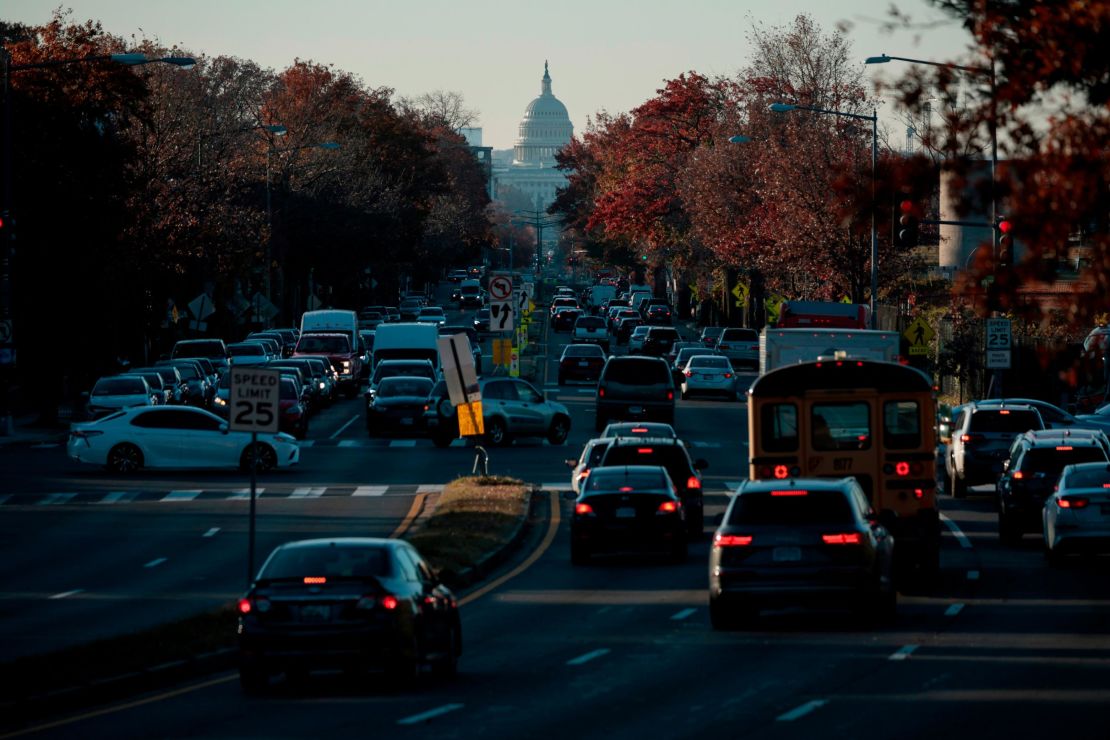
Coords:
569,495
225,428
701,464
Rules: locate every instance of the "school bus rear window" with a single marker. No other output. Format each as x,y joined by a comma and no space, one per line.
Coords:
779,427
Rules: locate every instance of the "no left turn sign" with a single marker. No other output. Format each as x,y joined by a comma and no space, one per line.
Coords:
500,288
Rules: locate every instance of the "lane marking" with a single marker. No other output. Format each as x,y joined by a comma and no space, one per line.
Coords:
348,443
414,511
307,492
180,496
430,714
548,538
155,563
965,543
66,594
341,429
556,487
430,488
117,496
370,491
56,499
403,443
903,652
973,575
593,654
801,711
244,494
211,532
683,614
953,610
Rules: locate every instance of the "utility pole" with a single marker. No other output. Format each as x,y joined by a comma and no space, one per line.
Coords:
538,220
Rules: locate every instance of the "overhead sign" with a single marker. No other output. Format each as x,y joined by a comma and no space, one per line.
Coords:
918,334
458,369
500,288
999,342
255,399
501,317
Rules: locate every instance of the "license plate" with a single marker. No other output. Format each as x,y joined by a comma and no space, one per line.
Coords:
787,554
583,363
636,410
626,512
315,613
406,422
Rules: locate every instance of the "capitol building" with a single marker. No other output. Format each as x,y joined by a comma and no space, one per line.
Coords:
545,129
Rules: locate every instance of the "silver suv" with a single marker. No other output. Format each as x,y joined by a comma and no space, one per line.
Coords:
740,346
511,407
981,439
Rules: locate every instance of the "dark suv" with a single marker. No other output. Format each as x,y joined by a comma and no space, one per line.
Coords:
635,388
981,439
660,339
1030,474
672,455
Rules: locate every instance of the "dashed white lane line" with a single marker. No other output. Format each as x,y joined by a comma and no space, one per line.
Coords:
56,499
801,711
953,610
973,575
180,496
903,652
341,429
66,594
117,496
403,443
430,488
308,492
683,614
370,491
348,443
588,656
960,536
211,532
430,714
155,563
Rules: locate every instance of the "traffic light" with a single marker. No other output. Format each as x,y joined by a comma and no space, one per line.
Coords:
643,258
1005,243
907,232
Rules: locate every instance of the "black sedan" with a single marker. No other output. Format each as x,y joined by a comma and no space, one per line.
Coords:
346,603
799,542
481,321
627,508
564,318
397,408
581,362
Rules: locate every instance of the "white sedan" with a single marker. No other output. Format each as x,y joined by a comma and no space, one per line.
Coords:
174,437
1077,514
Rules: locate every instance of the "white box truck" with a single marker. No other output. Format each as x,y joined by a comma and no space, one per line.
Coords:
779,347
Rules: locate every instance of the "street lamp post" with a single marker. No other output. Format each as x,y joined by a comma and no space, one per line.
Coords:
874,118
7,234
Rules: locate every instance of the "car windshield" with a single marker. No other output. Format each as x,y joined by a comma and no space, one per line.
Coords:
709,362
645,429
625,481
188,372
386,370
288,390
1051,461
739,335
791,507
590,322
1099,478
685,354
670,456
198,349
404,386
637,372
336,344
431,311
118,387
583,350
327,559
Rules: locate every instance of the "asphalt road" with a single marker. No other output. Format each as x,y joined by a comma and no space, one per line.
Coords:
1001,646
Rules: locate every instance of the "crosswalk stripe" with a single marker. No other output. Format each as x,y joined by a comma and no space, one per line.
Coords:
307,492
430,488
180,496
57,499
370,491
350,442
403,443
244,494
117,496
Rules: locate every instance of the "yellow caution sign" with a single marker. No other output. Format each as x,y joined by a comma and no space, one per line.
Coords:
773,304
918,334
741,291
470,419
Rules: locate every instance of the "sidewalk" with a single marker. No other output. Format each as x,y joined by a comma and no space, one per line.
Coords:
24,432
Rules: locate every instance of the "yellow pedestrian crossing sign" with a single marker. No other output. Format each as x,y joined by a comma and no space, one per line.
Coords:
918,334
740,291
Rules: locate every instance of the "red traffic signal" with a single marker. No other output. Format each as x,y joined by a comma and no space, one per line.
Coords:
907,235
1005,243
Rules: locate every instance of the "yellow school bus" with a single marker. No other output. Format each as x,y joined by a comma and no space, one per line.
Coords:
872,420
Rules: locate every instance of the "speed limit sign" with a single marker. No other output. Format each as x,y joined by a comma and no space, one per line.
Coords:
254,400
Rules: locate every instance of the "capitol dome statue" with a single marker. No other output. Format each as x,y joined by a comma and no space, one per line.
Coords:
545,128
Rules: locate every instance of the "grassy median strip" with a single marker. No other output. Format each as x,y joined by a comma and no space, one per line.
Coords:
474,518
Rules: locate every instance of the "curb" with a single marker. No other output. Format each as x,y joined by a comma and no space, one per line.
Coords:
482,569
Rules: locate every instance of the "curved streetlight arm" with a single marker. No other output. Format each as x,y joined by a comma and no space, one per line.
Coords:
129,60
885,58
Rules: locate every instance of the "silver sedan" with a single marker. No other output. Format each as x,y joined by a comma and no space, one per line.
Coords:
1077,514
708,375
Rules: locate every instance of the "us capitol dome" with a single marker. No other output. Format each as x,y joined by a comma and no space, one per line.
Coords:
544,129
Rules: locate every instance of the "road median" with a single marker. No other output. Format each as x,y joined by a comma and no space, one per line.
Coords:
473,526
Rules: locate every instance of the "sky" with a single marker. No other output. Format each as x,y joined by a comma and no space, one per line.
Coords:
604,54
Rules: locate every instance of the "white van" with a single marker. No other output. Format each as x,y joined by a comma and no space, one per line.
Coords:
407,341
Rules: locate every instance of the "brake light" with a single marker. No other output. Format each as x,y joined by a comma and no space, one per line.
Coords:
315,579
1004,412
693,483
902,468
625,489
1072,503
1066,448
389,602
639,430
583,509
667,507
601,391
728,375
918,493
645,450
688,373
970,437
1018,475
790,493
781,471
244,606
732,540
670,395
847,538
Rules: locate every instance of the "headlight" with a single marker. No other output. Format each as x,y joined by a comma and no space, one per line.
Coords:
220,401
321,385
346,364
